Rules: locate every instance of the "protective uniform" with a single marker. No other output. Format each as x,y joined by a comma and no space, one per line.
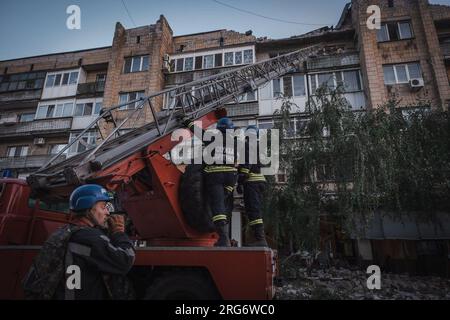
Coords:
254,185
220,180
103,257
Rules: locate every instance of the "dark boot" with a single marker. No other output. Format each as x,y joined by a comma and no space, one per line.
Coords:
223,232
260,237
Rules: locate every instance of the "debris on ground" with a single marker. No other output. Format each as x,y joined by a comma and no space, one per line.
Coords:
345,283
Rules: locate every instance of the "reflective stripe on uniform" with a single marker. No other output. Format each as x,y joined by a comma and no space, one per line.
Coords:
213,169
244,170
191,124
256,177
219,217
255,222
229,188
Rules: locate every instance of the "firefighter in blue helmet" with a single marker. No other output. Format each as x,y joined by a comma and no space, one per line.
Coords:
253,183
95,243
220,180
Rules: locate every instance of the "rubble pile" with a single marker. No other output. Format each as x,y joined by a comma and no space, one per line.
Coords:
345,284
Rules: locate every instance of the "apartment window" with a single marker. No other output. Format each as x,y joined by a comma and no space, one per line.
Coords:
189,64
87,141
67,78
248,56
276,84
26,117
22,81
136,64
17,151
393,31
401,73
208,61
350,80
299,86
55,111
179,65
73,79
130,96
218,60
83,109
238,57
228,57
198,62
290,86
98,107
56,148
248,97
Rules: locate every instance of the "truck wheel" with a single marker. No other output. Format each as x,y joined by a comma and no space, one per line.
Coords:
182,286
192,200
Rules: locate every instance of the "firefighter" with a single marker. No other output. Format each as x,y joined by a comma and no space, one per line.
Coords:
253,184
100,249
220,181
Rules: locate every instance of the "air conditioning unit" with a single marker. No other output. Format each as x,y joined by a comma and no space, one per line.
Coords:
39,141
166,62
416,83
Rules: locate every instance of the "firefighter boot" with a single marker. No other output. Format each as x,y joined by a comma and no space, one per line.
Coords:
222,231
260,238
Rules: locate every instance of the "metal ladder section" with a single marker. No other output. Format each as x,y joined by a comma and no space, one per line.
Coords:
193,100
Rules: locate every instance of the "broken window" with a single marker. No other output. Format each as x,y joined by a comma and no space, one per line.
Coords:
198,62
218,60
392,31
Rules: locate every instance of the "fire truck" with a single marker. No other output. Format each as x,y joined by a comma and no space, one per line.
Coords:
170,223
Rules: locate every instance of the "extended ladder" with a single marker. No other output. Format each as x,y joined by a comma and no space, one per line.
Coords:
193,100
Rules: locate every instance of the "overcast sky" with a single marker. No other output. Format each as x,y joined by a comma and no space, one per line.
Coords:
34,27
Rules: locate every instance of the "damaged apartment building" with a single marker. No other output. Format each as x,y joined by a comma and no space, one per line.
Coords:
46,101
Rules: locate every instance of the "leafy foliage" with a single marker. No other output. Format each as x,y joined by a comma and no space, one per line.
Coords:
347,164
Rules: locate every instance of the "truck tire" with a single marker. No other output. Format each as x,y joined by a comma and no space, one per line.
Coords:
182,286
193,201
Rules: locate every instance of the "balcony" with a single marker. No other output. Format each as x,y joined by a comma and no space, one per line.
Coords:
91,89
26,162
24,95
243,109
333,61
43,126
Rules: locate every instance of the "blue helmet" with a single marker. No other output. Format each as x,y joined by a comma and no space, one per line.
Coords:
224,124
252,129
86,196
